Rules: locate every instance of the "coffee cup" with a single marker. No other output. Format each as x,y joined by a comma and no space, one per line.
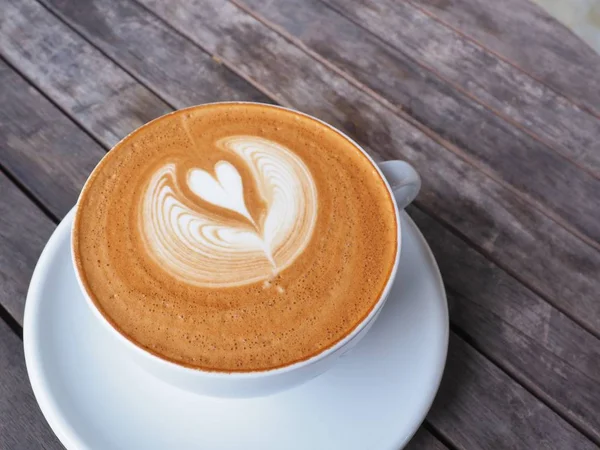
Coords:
400,182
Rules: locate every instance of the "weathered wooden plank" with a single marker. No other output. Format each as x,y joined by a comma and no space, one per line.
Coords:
424,440
24,230
22,426
51,55
482,75
41,147
165,61
525,35
517,236
541,347
500,148
481,407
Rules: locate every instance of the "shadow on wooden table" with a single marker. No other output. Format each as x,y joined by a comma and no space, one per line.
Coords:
456,379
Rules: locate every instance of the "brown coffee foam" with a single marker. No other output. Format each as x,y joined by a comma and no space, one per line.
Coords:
327,291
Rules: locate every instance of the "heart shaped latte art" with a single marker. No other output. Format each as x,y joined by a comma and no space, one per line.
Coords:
227,191
206,250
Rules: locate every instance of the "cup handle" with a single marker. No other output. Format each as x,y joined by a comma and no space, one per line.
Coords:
403,179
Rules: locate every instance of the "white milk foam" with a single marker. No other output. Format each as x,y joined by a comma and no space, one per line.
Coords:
203,250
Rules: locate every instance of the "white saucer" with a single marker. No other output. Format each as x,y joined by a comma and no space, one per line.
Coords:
374,398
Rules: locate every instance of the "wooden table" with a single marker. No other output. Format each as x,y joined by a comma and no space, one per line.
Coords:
495,103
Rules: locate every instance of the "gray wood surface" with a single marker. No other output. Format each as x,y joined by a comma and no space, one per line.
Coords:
424,440
144,46
538,345
22,426
24,230
522,33
40,147
482,75
468,408
510,165
51,55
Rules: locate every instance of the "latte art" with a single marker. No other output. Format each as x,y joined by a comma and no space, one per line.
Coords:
205,249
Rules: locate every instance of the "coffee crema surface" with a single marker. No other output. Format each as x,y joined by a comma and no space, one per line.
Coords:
235,237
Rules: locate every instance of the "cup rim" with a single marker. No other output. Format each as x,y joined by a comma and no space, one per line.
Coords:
250,374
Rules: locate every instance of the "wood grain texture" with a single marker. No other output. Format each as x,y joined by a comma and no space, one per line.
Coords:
52,56
525,35
424,440
539,346
500,148
511,232
24,230
482,75
182,73
22,426
480,407
41,147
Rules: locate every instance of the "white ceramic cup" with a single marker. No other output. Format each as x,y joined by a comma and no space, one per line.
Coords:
403,184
